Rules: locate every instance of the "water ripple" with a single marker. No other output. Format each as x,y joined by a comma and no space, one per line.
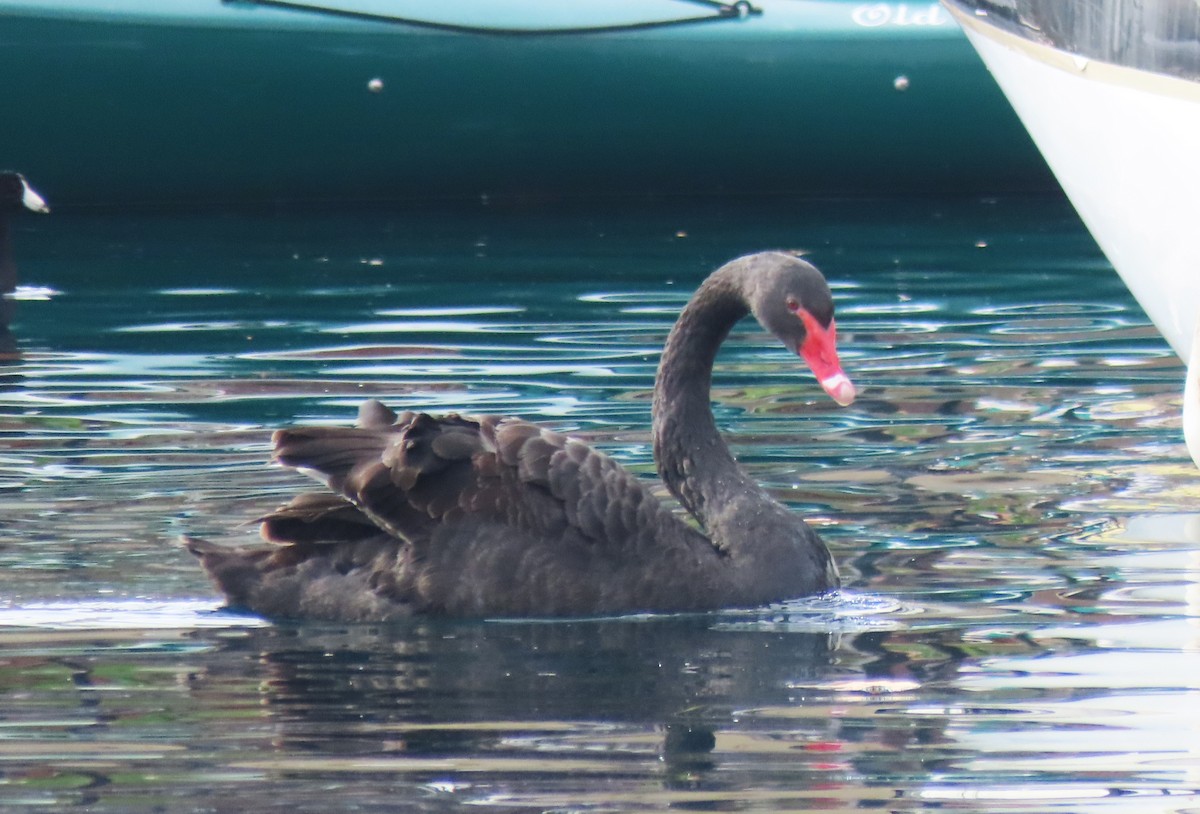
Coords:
1009,501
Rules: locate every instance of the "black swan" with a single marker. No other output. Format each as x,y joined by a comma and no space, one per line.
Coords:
495,516
15,194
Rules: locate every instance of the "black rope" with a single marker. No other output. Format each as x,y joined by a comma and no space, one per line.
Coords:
739,10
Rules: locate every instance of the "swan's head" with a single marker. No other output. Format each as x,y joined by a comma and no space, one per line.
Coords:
792,300
15,192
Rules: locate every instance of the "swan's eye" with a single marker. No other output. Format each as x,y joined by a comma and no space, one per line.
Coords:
793,304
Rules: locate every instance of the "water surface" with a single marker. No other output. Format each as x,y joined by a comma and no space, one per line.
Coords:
1009,501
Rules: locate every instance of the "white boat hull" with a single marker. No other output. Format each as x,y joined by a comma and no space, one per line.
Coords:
1124,144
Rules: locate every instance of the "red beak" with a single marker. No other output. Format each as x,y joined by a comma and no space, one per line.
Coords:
819,350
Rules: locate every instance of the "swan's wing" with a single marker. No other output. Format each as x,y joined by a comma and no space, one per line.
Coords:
421,474
462,516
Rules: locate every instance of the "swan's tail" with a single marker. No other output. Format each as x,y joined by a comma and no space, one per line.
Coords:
350,581
235,571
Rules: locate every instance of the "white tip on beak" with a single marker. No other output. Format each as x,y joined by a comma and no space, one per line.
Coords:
840,389
33,201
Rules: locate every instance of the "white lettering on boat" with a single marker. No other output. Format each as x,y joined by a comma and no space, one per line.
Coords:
874,15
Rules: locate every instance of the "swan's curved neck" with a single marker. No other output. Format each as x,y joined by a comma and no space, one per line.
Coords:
693,460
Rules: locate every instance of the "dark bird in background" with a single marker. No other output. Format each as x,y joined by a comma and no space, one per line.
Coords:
15,195
495,516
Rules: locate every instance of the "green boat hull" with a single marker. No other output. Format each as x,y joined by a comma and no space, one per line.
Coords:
201,101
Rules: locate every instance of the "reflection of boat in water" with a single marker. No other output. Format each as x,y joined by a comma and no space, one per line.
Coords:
333,100
1110,92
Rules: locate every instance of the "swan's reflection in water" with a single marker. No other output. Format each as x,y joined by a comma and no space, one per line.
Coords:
700,711
533,713
687,711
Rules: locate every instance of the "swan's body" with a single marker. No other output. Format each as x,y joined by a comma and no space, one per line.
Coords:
498,517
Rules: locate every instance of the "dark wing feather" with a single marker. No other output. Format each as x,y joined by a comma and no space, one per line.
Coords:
421,471
317,519
499,514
